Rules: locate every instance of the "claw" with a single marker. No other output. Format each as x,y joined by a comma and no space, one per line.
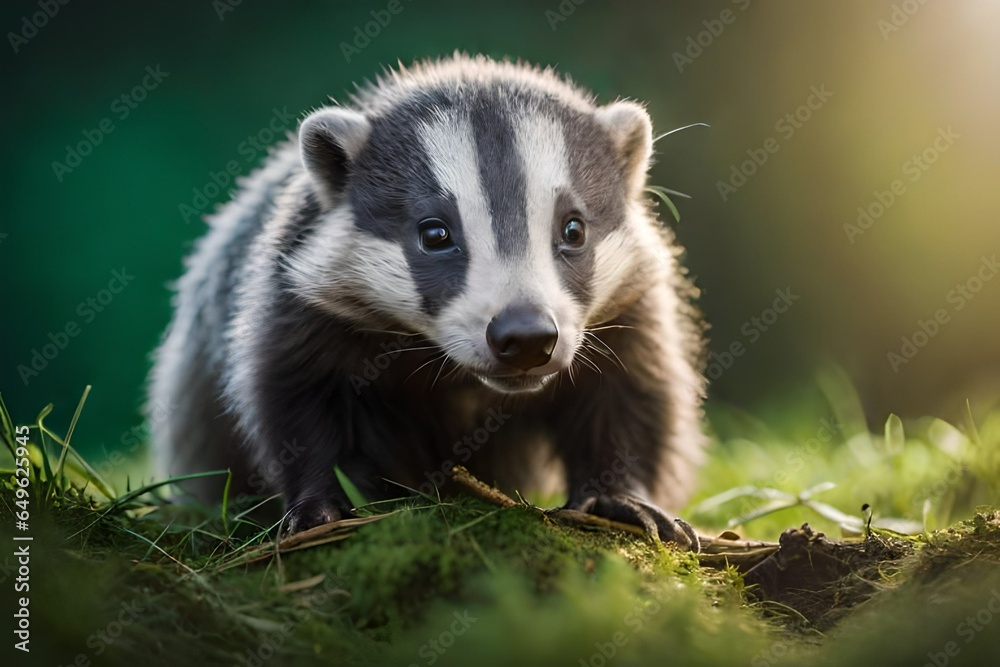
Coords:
308,514
629,509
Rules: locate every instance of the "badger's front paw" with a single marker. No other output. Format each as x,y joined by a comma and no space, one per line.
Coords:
307,514
629,509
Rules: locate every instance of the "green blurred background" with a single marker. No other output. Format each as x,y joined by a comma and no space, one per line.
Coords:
899,74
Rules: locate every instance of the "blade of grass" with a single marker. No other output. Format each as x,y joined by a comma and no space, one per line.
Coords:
662,194
7,428
768,508
94,476
69,433
225,502
895,440
128,497
154,545
350,488
46,466
970,424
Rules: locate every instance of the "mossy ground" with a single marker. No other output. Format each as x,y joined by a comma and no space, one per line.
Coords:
460,582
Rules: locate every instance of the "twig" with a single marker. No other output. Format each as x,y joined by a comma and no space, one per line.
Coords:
480,489
715,551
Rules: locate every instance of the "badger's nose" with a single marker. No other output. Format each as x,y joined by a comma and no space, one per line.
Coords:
522,336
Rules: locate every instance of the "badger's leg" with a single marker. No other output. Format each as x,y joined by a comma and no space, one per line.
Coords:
300,446
188,421
289,400
629,436
189,424
296,447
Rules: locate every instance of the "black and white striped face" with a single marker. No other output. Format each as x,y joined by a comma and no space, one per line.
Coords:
495,219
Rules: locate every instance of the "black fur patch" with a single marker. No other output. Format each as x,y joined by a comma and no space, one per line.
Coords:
302,223
394,186
394,189
599,182
500,170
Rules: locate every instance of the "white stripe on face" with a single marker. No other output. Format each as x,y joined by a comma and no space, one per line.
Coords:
613,264
627,262
451,149
494,282
546,168
355,275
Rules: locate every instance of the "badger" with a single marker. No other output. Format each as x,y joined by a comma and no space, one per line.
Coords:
460,266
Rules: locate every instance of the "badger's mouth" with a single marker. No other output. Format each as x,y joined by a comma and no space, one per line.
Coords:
521,383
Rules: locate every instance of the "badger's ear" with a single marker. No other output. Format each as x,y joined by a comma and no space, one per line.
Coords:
330,140
632,134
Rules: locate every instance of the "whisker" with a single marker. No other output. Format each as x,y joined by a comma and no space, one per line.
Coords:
609,326
444,363
454,370
679,129
430,361
607,347
574,269
590,346
405,349
572,380
584,359
387,331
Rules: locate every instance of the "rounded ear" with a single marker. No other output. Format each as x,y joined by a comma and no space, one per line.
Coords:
329,141
632,134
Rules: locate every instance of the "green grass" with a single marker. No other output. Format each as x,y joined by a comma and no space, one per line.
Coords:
123,577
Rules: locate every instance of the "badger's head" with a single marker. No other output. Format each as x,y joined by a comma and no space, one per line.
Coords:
490,207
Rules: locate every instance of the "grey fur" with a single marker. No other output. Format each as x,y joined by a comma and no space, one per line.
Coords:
311,275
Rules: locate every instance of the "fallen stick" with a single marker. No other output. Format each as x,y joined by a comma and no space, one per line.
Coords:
805,571
722,551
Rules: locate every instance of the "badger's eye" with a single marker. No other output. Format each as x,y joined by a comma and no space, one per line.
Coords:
574,233
434,235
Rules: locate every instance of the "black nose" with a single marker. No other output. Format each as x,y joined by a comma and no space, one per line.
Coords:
522,336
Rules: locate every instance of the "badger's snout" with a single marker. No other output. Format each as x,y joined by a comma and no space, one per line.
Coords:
522,336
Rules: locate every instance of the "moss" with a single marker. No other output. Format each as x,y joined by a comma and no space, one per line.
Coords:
461,582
